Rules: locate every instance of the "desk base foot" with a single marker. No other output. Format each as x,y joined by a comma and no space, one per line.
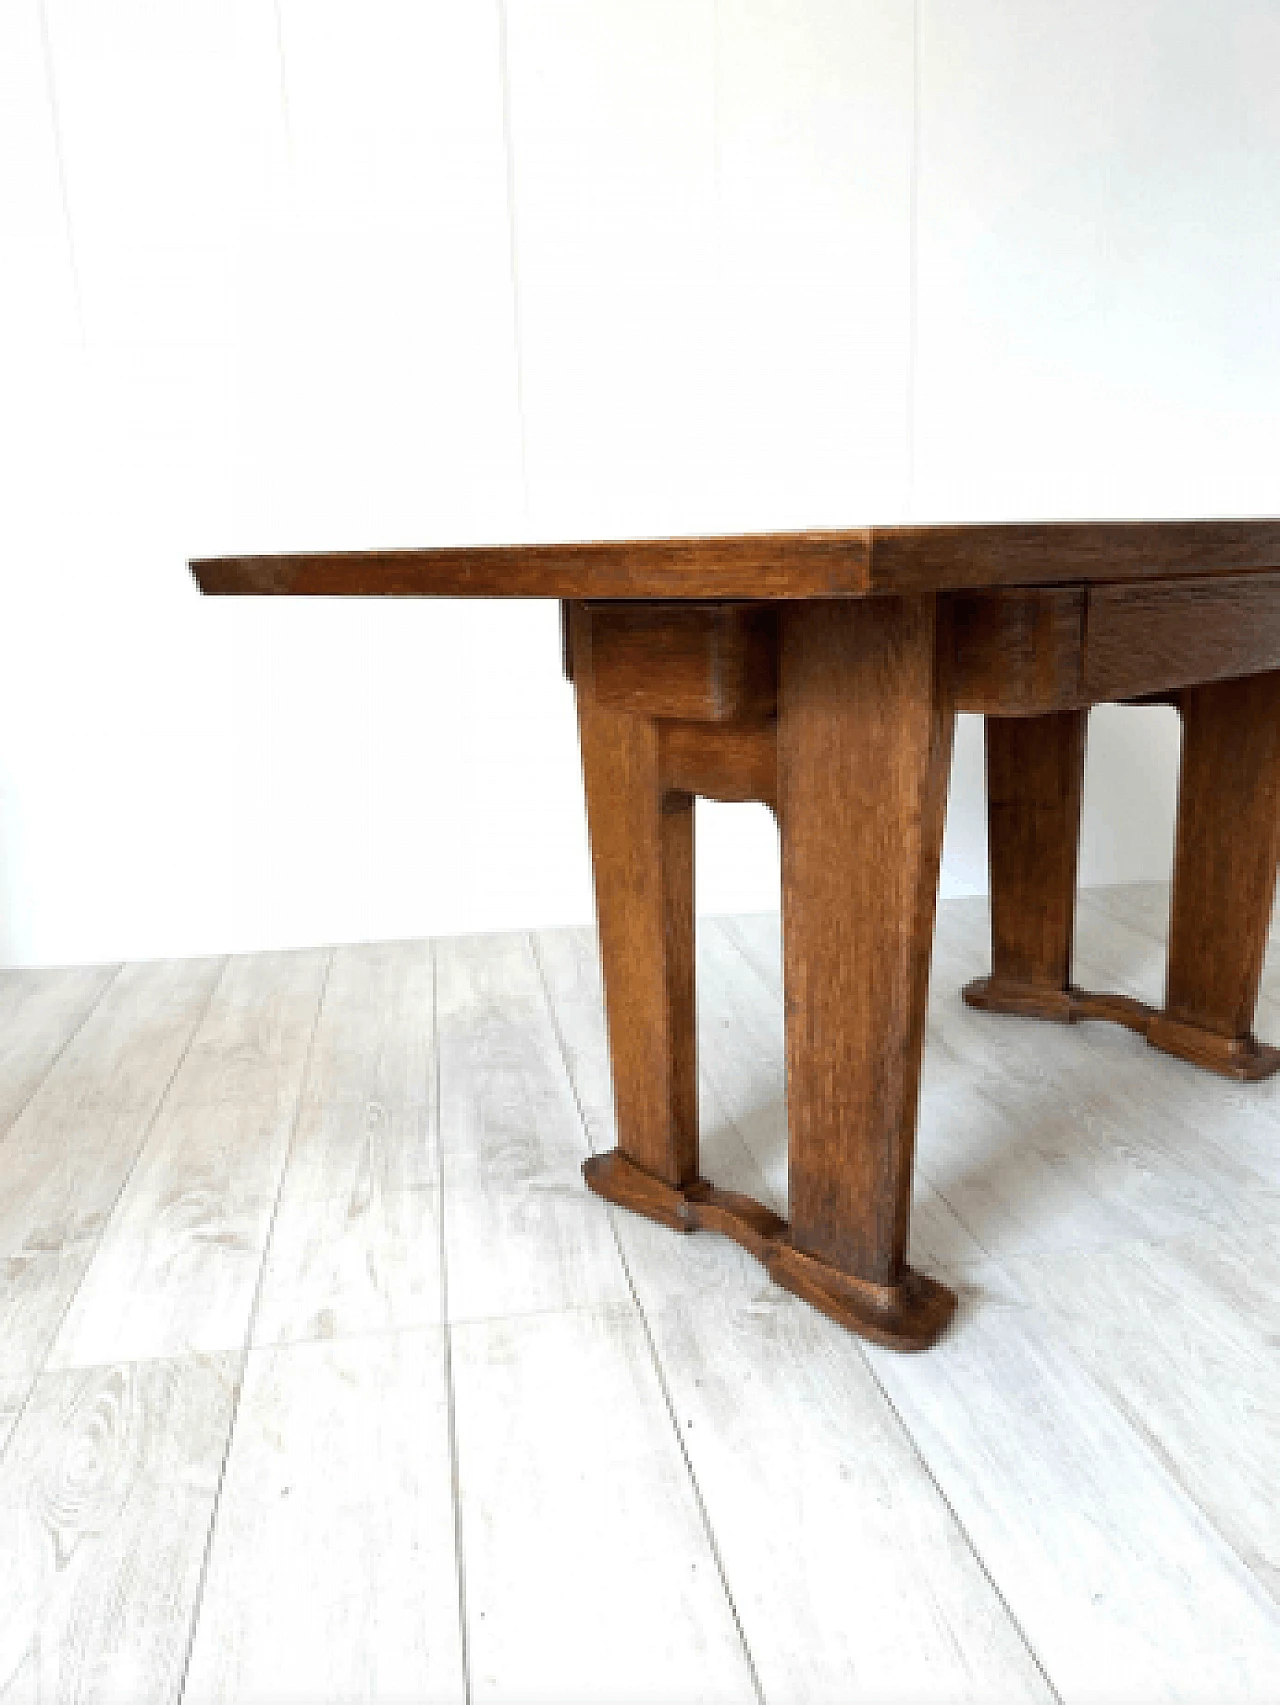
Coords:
1241,1058
910,1315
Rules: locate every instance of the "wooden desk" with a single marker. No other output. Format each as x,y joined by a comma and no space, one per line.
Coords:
821,673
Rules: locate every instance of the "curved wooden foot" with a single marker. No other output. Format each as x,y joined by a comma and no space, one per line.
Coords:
909,1315
1242,1058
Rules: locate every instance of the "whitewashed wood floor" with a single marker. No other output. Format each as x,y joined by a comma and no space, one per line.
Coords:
322,1377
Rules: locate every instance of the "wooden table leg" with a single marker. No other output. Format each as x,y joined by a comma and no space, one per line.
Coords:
1224,876
642,859
864,753
1035,783
858,771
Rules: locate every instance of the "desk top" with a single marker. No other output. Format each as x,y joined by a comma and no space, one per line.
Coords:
850,564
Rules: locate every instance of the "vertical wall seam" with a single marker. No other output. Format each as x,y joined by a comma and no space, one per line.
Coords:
55,119
284,82
513,245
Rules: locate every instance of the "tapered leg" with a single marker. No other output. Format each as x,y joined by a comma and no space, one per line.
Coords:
1224,875
642,859
1035,783
864,751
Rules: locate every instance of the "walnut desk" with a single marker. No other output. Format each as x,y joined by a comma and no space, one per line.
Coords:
821,673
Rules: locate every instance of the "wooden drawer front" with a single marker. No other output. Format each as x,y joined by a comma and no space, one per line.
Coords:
690,662
1035,649
1157,638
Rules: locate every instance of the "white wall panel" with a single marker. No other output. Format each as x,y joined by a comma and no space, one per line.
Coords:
813,172
1098,305
1099,258
296,324
611,117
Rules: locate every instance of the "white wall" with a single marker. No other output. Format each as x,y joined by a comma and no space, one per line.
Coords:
377,272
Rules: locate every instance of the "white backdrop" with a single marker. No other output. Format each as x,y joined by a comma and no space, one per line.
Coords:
380,272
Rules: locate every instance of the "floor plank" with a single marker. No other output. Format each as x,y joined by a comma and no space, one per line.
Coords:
1194,1371
14,1391
589,1574
1075,1484
106,1496
355,1245
69,1154
744,1057
865,1588
521,1232
852,1579
39,1012
1123,1588
1142,1137
340,1266
332,1572
366,1123
177,1267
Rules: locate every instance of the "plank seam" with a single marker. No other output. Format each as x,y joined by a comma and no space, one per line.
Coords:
47,1073
451,1408
247,1343
695,1487
128,1174
961,1529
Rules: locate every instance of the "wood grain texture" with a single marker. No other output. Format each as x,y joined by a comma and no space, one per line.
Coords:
734,763
177,1266
1019,653
1035,790
778,565
866,1589
788,565
1046,1139
332,1572
355,1241
1228,841
747,1066
697,662
366,1122
69,1154
625,1598
864,752
570,969
1115,1577
338,1266
39,1012
1148,639
907,559
907,1314
1185,1351
14,1392
642,864
520,1232
106,1497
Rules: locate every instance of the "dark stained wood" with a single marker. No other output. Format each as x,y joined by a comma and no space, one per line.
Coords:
1019,652
1153,639
909,1315
1228,842
766,565
642,861
865,722
1224,873
698,662
715,762
1035,785
821,672
743,566
905,559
